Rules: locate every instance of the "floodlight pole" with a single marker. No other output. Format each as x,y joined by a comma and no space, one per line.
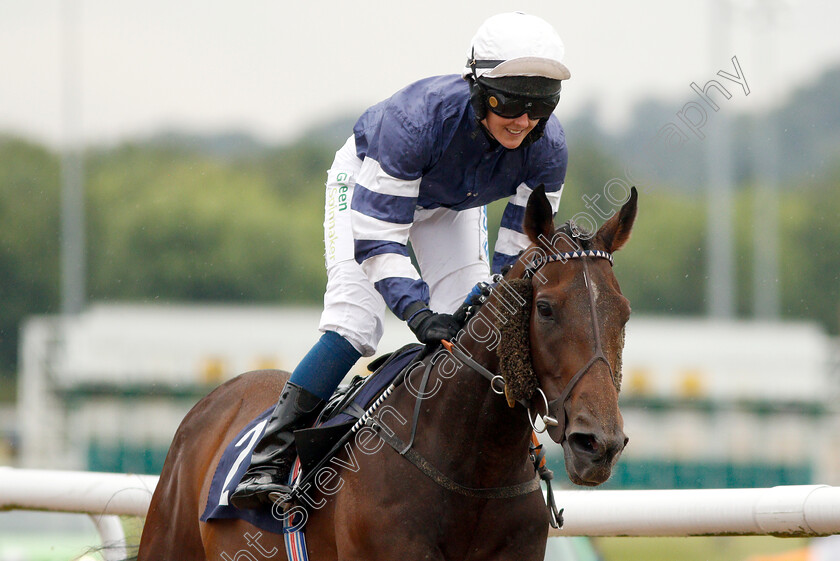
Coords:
720,288
72,171
766,203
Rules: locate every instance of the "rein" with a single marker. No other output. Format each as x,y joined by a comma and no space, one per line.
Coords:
421,463
408,452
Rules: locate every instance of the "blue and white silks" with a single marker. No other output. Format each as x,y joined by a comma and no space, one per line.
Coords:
423,149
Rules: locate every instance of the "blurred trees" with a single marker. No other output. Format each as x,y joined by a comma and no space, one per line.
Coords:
810,250
29,239
183,226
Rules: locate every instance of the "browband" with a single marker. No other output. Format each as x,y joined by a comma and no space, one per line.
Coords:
541,260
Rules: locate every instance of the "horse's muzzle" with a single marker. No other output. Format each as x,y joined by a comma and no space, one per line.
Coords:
591,450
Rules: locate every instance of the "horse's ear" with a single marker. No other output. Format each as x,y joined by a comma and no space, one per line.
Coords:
616,231
538,216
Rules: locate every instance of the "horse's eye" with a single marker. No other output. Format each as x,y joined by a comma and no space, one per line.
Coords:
544,309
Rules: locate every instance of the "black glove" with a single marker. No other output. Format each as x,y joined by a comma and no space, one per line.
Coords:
430,327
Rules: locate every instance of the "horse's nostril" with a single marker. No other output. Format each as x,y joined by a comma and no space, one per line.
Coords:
584,443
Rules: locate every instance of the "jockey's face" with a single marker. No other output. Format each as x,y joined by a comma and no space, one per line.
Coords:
509,132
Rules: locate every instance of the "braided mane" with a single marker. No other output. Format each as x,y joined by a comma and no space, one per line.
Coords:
514,349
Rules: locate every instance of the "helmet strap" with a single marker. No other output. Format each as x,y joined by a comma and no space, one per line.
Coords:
535,134
478,99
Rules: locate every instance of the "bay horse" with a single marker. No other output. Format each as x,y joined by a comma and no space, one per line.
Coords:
385,508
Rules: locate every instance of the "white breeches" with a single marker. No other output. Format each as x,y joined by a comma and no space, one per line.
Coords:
450,248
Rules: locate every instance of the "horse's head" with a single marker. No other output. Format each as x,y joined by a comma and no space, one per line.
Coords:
577,335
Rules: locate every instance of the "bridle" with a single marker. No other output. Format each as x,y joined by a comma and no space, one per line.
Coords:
555,406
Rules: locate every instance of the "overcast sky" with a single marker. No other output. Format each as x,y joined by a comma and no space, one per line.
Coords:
275,68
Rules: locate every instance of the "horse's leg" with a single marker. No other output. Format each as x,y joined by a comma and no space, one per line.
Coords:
401,534
510,530
531,551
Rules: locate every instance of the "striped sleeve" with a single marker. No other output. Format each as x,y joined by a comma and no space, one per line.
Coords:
511,238
382,211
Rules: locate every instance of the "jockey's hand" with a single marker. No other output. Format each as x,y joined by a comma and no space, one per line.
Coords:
430,327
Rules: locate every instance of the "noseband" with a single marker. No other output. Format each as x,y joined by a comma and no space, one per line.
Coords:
555,406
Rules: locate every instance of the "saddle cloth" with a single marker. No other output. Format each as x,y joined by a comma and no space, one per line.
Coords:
338,416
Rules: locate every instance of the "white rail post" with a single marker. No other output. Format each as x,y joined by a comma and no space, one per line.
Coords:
111,533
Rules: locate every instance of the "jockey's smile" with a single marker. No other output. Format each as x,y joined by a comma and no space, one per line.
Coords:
509,132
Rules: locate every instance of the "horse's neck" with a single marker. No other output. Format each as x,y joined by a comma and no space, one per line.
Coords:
476,435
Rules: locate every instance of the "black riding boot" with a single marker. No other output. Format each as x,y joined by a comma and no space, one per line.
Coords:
274,453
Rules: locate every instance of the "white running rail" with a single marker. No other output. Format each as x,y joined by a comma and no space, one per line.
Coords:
796,510
802,510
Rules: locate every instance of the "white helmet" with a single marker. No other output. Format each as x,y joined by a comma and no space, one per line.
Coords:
516,44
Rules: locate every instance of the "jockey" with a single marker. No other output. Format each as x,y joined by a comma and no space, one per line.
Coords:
420,167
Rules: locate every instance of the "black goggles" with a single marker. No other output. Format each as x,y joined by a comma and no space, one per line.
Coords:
511,106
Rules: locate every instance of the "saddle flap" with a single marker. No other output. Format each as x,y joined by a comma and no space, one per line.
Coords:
380,361
315,443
